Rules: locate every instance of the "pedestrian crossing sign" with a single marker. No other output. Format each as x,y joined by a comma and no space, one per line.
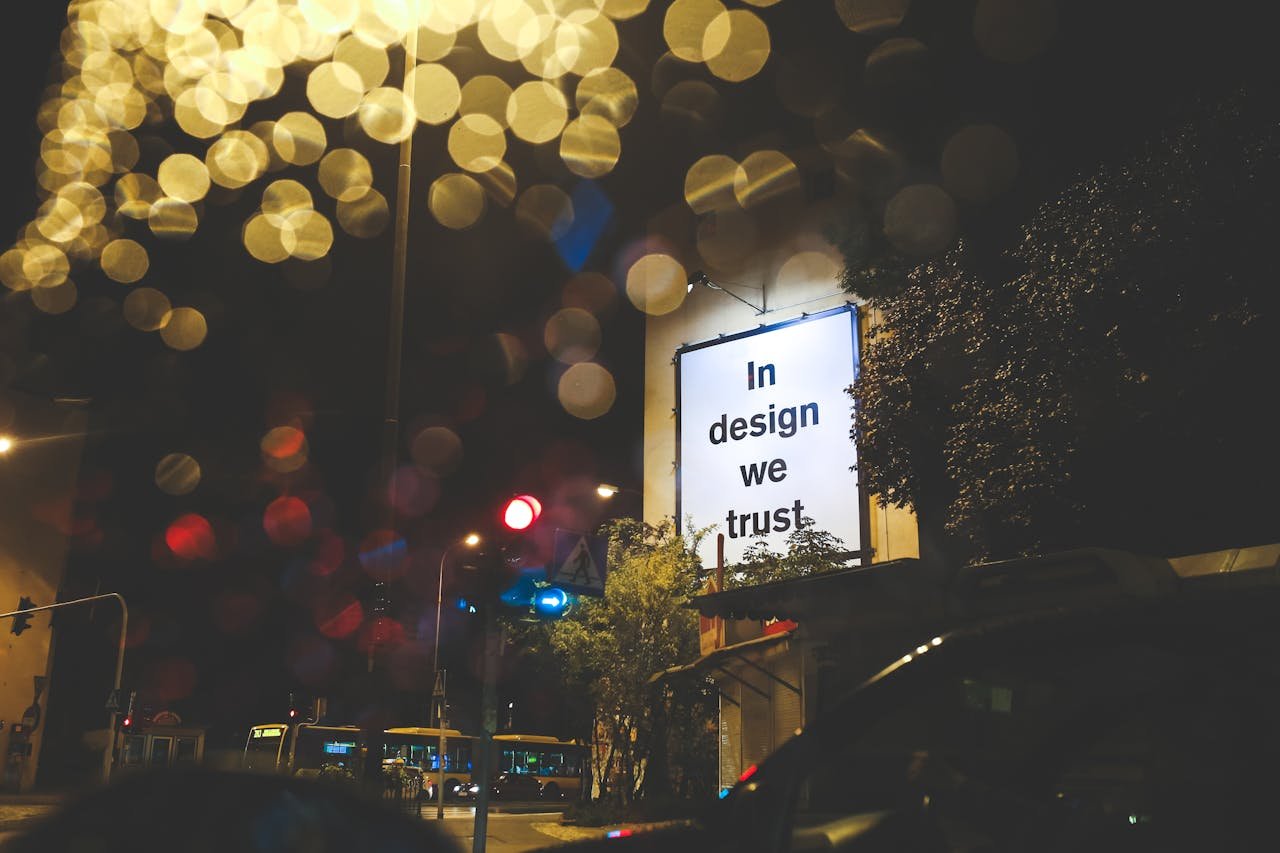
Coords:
578,563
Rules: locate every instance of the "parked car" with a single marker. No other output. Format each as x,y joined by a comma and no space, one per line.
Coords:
506,786
1140,725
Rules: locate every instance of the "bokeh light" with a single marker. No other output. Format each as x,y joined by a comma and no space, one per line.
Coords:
177,474
572,335
437,449
287,521
190,537
185,330
920,220
657,284
587,390
124,261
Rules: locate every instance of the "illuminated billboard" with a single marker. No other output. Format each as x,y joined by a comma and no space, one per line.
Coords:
763,434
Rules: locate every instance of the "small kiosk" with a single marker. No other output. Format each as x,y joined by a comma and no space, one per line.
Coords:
162,741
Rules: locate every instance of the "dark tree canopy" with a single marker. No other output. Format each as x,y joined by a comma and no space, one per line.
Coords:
1107,380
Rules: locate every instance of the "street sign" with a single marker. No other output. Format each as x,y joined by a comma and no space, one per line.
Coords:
113,700
578,563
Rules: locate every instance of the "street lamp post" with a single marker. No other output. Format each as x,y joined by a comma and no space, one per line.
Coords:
438,694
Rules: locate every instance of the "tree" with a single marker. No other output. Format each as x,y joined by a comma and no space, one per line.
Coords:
809,551
1097,392
645,737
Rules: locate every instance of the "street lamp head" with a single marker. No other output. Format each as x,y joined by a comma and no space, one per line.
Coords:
607,490
472,540
6,444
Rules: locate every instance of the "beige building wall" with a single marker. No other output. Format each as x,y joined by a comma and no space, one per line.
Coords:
37,490
798,277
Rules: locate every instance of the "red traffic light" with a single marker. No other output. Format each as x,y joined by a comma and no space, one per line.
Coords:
521,512
127,723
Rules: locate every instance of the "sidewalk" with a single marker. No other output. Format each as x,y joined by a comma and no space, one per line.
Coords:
19,812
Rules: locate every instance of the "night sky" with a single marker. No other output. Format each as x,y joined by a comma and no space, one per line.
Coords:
224,635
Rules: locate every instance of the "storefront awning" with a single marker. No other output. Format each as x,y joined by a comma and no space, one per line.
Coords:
717,657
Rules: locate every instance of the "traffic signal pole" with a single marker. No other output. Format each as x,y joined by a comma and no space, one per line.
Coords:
488,725
115,687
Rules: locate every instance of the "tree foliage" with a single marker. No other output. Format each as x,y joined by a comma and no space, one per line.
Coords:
1098,382
646,738
809,551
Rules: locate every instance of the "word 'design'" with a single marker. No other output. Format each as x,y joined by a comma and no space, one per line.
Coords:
764,434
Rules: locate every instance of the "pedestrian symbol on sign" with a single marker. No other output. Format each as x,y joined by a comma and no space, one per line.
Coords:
578,563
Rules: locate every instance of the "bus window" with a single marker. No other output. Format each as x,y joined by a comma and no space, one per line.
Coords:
263,750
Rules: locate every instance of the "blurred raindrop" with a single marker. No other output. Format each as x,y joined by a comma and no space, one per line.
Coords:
438,449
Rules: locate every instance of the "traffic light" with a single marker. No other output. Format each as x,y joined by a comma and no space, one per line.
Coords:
551,602
294,714
521,512
22,621
126,722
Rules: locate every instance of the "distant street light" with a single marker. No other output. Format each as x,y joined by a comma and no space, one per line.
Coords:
607,490
6,444
470,540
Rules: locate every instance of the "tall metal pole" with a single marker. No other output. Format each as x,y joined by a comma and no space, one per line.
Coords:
115,686
438,694
483,761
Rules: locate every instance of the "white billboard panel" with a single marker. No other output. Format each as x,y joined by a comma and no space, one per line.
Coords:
764,434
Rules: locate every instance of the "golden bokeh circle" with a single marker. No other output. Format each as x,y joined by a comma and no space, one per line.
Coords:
185,330
124,260
736,45
709,184
537,112
369,61
686,24
284,196
590,146
920,220
456,201
590,291
298,138
313,234
657,284
135,193
334,89
177,474
387,115
345,174
546,209
172,218
58,299
236,159
366,216
184,177
872,16
763,176
487,95
269,238
477,143
587,390
572,335
147,309
609,93
436,93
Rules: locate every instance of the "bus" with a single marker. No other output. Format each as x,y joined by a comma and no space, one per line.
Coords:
310,750
304,749
557,764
